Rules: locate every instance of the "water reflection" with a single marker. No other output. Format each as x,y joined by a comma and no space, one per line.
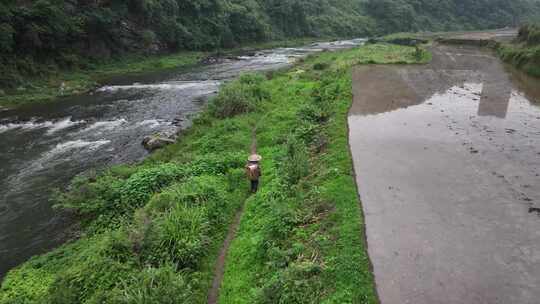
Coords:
396,87
448,167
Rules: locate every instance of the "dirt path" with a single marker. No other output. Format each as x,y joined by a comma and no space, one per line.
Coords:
447,157
219,270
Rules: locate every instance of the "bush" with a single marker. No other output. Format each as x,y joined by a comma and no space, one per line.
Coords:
239,97
184,235
148,38
140,186
203,190
295,165
90,196
298,283
529,34
105,200
152,285
319,66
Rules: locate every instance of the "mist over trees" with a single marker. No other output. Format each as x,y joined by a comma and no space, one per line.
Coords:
37,37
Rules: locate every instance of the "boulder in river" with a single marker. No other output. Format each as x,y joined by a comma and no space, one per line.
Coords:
154,142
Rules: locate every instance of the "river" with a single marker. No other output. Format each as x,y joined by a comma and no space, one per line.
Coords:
44,146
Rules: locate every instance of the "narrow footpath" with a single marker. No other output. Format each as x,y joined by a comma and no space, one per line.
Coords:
447,157
219,268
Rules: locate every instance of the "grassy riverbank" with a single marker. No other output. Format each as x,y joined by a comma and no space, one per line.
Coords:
524,53
73,82
151,231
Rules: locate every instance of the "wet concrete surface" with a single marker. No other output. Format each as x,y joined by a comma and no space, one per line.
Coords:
447,157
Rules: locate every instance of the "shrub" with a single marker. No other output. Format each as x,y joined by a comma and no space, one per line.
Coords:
298,283
530,34
92,267
313,113
183,235
140,186
239,97
319,66
203,190
152,285
90,196
295,165
148,38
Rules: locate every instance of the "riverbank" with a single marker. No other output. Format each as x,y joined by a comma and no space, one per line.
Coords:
74,82
524,52
152,231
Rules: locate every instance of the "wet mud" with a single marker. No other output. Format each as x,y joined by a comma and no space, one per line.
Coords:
447,157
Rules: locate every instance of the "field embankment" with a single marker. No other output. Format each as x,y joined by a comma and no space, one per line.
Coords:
151,232
524,52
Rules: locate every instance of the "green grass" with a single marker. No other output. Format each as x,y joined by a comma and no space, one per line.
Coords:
524,57
151,231
524,52
303,243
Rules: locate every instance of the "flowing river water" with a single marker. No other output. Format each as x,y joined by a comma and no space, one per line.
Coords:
45,146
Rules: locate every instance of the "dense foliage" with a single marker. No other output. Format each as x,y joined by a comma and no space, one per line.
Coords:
37,37
530,34
147,232
445,15
40,37
524,53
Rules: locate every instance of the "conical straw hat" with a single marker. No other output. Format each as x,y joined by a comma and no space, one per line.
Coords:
254,158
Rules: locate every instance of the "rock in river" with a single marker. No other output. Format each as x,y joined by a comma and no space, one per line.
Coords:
154,142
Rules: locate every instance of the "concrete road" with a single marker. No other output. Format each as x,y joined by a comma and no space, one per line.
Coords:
447,158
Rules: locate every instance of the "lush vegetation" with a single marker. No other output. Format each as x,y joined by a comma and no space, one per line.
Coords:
40,38
151,231
447,15
524,53
75,81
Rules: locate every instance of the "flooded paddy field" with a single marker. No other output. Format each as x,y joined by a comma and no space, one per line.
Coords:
447,158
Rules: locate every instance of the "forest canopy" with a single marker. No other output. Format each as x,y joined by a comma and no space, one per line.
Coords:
37,37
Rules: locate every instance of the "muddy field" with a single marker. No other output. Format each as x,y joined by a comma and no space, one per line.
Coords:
447,157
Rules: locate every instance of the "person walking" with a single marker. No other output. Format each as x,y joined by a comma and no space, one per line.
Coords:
253,171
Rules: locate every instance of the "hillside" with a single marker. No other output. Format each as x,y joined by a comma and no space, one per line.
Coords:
40,37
